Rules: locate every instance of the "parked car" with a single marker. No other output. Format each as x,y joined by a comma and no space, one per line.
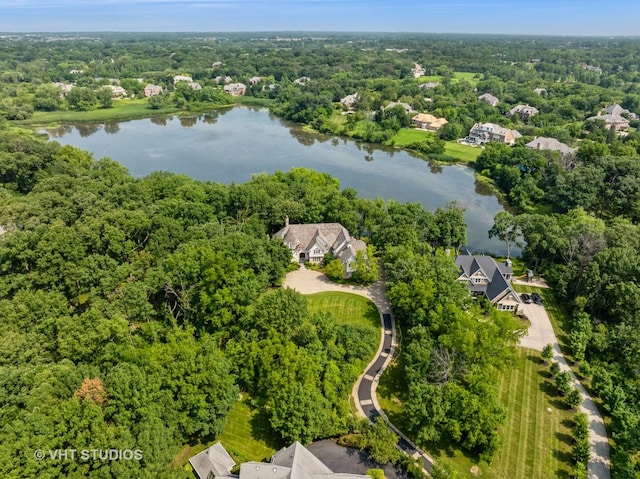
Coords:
536,298
526,298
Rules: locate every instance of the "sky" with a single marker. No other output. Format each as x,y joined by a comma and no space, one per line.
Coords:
542,17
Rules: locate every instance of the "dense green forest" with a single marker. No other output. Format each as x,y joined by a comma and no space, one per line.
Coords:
119,295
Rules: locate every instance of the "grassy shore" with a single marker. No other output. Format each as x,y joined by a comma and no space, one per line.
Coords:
121,110
463,153
128,110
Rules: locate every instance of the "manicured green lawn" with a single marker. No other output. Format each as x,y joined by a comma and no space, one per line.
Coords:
457,76
122,109
246,437
406,136
536,436
465,153
348,308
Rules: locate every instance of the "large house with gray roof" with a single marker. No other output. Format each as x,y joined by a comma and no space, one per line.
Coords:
489,99
482,133
311,242
523,111
484,277
293,462
545,143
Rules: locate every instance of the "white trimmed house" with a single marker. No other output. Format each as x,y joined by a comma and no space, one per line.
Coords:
484,277
311,242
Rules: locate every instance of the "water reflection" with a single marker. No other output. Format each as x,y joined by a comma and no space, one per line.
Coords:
303,137
188,121
112,127
159,120
60,131
87,129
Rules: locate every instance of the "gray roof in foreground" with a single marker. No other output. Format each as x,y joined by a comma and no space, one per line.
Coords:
214,459
293,462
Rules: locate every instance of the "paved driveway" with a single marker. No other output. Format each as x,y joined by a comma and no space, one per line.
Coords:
307,281
540,333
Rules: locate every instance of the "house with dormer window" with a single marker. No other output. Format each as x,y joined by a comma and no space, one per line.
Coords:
311,242
485,277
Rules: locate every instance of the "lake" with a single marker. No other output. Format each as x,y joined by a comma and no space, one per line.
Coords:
231,145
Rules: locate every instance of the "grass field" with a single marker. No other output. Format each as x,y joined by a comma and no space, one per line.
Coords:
406,136
464,153
457,76
122,110
536,436
247,435
347,308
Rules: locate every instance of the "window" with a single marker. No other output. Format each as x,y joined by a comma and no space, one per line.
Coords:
317,251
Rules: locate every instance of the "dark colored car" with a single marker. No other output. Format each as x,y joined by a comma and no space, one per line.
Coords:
536,298
526,298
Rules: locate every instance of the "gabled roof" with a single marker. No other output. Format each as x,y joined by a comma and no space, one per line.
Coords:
615,109
293,462
350,99
524,110
304,236
404,105
545,143
215,460
497,286
489,98
495,129
610,118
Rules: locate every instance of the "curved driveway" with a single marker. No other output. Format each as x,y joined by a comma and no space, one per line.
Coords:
307,281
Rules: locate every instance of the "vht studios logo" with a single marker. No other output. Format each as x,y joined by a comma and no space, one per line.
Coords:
88,454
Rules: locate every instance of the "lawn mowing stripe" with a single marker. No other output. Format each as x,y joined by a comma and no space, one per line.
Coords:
539,423
522,437
516,425
501,452
521,457
514,420
532,413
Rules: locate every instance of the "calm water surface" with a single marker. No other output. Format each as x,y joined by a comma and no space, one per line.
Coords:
231,145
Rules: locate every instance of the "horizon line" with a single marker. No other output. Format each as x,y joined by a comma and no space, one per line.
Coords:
377,32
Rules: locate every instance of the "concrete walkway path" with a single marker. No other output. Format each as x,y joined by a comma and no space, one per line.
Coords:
307,281
541,333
